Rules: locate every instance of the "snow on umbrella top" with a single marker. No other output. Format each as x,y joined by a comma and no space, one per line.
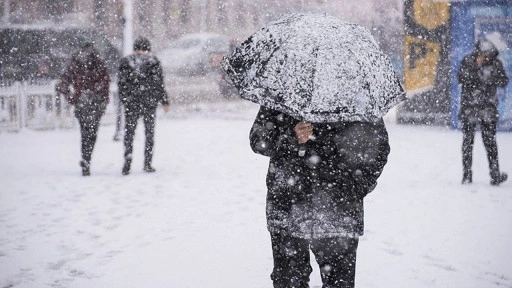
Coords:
315,68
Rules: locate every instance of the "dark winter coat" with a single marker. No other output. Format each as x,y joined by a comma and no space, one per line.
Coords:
479,84
320,194
141,82
86,71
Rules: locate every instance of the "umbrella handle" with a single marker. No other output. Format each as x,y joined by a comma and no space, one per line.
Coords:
302,150
302,147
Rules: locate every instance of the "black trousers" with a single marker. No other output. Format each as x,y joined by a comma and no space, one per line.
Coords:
132,115
89,133
88,116
336,258
89,110
491,147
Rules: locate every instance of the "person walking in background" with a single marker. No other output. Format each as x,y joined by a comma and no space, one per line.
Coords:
480,74
141,89
88,75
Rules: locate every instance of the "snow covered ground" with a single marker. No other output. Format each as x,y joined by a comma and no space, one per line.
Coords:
199,221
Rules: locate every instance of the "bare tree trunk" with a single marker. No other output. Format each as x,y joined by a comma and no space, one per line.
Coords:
240,14
208,14
166,6
7,11
185,11
99,13
222,17
144,15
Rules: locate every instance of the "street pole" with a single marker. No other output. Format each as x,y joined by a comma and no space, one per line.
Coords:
127,27
127,50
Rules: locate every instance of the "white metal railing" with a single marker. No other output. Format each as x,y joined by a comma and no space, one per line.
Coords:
37,105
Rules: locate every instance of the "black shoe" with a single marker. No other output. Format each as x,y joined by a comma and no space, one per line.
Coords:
86,170
467,178
500,179
149,169
126,167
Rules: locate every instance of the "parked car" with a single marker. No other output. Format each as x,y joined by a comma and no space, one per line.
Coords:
28,52
191,54
193,62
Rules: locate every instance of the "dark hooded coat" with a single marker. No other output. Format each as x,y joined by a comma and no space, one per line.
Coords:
479,84
141,82
87,73
318,195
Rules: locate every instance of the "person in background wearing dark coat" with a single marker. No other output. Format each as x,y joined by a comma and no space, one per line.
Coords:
317,178
141,89
480,74
88,75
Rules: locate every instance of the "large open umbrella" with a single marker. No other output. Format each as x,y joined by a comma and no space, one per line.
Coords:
315,68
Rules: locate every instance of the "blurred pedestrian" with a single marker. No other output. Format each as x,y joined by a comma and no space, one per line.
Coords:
88,75
141,89
480,74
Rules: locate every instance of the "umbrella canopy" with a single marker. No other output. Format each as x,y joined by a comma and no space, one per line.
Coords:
315,68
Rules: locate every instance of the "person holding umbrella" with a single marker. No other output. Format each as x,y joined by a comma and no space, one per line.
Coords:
323,86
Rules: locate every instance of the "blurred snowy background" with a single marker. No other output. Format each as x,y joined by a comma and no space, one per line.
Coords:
204,24
163,20
199,221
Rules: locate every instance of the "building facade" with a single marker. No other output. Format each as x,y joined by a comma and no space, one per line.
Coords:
438,34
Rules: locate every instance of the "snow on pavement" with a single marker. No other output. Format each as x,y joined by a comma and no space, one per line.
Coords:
199,221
